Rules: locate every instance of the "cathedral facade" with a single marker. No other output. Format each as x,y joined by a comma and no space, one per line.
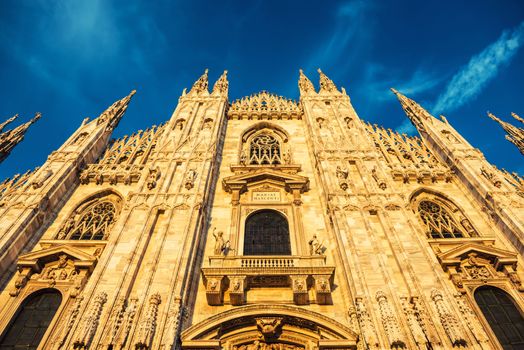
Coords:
263,223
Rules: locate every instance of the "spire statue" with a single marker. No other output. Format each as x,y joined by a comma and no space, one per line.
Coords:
114,113
10,138
415,112
304,84
201,84
326,84
221,85
8,121
514,134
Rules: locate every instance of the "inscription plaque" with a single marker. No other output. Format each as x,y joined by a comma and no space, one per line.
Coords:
266,196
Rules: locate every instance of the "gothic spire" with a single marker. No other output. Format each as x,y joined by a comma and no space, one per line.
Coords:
201,84
516,116
114,113
10,138
326,84
8,121
415,112
514,134
221,85
304,84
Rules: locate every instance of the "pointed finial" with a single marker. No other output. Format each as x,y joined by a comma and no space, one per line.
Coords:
415,112
221,85
517,117
514,134
201,84
8,121
304,84
326,84
114,113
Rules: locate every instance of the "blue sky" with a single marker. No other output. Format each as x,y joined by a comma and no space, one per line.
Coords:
71,59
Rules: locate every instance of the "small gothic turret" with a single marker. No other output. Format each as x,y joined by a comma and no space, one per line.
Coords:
114,113
326,84
201,84
9,139
517,117
221,85
304,84
514,135
8,121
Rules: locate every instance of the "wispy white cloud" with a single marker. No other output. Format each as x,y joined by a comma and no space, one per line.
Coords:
349,21
379,80
483,67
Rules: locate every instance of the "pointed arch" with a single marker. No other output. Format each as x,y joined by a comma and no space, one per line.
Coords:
440,216
31,320
93,218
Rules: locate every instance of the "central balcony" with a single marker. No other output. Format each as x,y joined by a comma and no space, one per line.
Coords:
235,274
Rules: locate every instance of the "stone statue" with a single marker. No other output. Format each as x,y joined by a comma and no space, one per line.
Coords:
315,247
220,245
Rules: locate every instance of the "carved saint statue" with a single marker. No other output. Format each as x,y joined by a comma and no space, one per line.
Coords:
315,247
220,245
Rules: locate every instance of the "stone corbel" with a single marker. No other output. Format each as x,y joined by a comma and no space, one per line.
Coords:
299,285
24,273
237,287
323,289
296,191
514,277
214,290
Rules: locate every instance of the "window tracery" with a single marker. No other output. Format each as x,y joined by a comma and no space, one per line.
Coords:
264,144
92,221
438,221
265,149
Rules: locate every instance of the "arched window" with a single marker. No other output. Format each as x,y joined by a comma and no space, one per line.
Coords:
92,220
503,316
266,233
264,149
439,222
31,321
